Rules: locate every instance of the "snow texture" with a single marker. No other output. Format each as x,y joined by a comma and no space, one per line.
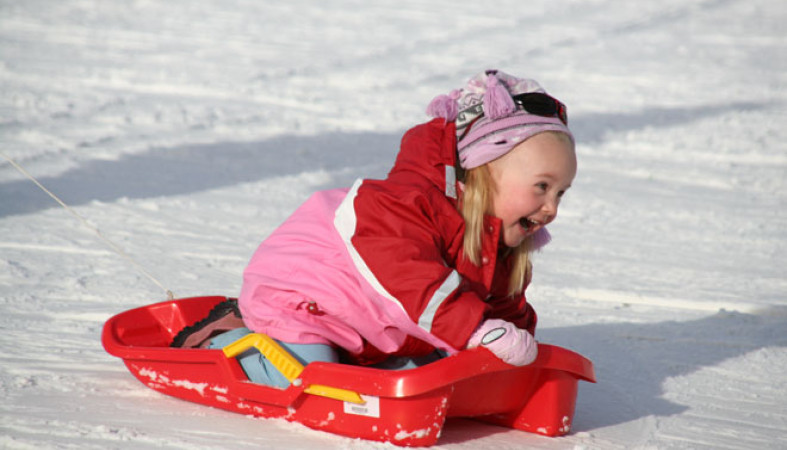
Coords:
186,131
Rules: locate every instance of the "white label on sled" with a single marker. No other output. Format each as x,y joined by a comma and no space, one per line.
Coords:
371,408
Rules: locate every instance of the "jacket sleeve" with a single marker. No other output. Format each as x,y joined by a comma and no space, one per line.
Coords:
514,309
400,240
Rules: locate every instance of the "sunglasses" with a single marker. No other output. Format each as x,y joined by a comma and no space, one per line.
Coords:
541,105
535,103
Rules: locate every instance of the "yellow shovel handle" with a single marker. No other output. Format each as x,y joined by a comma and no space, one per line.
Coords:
290,367
285,363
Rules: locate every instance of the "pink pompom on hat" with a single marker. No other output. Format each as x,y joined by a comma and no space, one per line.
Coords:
494,112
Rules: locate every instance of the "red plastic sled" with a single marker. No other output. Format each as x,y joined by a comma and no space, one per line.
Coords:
406,407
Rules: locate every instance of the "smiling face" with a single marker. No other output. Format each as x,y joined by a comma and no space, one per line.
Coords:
529,183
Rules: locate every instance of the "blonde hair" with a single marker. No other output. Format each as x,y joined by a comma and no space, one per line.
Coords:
476,202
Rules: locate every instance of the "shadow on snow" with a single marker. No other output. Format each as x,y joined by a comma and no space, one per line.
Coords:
183,170
633,360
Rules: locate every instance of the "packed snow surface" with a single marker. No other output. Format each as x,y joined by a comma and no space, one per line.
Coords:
186,131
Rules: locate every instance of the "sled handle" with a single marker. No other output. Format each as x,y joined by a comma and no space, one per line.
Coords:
290,367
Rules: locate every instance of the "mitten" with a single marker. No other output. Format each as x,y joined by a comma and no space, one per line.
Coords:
509,343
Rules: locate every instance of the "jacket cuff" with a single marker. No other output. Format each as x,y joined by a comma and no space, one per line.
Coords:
457,320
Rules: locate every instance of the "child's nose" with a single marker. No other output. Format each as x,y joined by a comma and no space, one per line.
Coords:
550,210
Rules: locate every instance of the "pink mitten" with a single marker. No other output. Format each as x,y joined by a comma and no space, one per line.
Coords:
509,343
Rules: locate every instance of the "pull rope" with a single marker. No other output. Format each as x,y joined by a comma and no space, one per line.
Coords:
114,247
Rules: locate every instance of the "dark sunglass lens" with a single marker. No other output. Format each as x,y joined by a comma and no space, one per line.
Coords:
541,105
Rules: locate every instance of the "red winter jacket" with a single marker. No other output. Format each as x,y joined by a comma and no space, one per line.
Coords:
379,270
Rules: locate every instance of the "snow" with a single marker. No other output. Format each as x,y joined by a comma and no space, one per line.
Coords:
186,131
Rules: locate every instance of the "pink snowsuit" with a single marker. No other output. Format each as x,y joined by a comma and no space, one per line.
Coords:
378,269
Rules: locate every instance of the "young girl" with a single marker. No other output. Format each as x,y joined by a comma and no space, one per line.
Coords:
433,259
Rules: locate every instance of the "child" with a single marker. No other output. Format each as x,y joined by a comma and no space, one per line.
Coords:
433,259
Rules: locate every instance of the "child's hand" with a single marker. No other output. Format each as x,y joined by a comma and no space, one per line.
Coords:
509,343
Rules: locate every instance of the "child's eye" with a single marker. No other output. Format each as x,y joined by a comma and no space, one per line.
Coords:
542,186
560,194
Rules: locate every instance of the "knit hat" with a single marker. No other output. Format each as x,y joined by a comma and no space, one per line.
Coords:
494,112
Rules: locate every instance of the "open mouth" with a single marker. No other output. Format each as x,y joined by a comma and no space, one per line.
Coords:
528,224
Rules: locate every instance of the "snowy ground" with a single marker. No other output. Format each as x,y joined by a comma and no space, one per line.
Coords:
187,130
